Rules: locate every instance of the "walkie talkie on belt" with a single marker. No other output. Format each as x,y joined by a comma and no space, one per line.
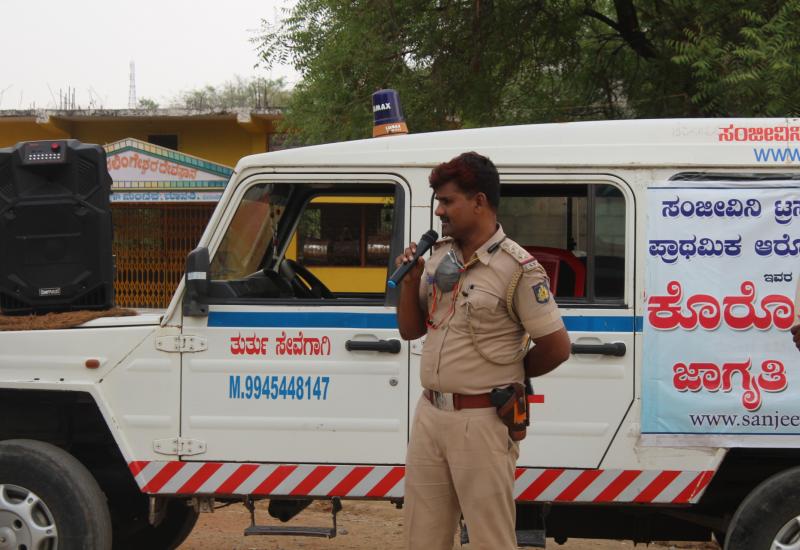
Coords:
512,407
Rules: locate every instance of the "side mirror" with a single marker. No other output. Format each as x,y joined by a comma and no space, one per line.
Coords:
194,299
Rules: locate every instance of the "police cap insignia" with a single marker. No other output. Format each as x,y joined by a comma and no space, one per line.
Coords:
542,293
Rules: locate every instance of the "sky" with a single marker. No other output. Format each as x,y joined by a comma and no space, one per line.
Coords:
88,45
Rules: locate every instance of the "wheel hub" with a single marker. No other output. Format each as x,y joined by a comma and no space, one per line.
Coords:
8,539
25,520
788,538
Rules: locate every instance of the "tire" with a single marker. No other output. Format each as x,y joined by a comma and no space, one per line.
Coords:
68,501
178,522
768,511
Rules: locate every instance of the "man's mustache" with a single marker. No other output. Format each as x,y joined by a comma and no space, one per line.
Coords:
444,219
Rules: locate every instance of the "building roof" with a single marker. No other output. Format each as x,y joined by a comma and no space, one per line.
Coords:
643,143
43,115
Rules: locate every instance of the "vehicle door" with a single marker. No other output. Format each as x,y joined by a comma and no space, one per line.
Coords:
304,362
580,228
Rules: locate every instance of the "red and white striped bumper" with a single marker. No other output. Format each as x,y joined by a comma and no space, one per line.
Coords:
384,482
640,486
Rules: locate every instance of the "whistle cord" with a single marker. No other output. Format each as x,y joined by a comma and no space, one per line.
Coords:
429,322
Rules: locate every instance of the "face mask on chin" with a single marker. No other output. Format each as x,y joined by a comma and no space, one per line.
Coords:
448,272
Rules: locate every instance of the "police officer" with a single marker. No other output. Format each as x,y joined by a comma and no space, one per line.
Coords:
478,299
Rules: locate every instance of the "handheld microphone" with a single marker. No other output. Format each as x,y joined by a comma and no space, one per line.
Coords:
424,244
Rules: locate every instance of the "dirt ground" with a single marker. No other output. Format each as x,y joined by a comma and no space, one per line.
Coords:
362,526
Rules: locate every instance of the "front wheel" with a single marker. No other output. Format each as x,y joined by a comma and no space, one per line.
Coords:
174,528
49,500
769,518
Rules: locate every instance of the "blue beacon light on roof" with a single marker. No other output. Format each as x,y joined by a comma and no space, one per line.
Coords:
387,113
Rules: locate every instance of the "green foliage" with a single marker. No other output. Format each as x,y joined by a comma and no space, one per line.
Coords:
747,62
147,104
239,93
467,63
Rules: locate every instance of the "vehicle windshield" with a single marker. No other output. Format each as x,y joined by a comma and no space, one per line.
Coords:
252,232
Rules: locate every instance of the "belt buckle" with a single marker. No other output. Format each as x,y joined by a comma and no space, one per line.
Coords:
443,401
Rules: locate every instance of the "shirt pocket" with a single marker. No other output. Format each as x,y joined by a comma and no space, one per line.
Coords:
483,309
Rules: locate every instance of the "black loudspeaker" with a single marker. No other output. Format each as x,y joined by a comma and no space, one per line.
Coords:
55,228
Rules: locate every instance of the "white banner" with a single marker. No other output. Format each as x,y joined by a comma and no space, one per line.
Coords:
166,196
721,276
136,166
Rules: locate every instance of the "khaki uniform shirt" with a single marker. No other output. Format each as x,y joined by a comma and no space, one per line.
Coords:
450,362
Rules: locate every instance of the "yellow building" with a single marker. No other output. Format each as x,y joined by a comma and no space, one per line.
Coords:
219,136
169,168
161,201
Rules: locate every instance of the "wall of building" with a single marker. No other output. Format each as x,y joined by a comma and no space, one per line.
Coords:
220,139
14,131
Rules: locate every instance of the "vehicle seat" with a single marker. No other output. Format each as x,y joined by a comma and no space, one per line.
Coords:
552,260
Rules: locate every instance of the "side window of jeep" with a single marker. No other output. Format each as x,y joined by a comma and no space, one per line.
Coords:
577,233
345,241
319,242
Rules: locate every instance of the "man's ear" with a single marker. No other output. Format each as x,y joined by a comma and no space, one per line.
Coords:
481,200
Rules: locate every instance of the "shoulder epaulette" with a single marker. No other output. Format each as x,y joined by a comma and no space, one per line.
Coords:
522,256
442,241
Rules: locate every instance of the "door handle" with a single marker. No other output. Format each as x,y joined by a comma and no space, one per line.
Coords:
617,349
383,346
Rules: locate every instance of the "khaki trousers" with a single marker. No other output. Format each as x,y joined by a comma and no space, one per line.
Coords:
459,462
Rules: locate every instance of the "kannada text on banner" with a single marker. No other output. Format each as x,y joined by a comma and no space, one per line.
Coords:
721,277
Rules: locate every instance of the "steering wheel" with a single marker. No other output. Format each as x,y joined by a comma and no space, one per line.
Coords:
303,280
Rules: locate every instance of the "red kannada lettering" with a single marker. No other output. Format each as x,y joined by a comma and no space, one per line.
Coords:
302,345
708,376
250,345
150,165
773,133
296,346
704,311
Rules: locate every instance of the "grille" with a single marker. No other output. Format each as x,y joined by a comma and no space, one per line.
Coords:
91,300
10,304
6,182
150,245
87,177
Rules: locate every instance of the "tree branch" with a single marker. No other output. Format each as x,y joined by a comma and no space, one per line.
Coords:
630,31
602,18
628,28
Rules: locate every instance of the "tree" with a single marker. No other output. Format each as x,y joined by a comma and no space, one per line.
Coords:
466,63
147,104
254,93
750,68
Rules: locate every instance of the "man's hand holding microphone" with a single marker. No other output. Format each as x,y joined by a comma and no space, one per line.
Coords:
410,262
414,273
409,266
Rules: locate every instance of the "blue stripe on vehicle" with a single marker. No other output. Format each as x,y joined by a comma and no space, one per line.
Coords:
332,319
304,319
602,323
